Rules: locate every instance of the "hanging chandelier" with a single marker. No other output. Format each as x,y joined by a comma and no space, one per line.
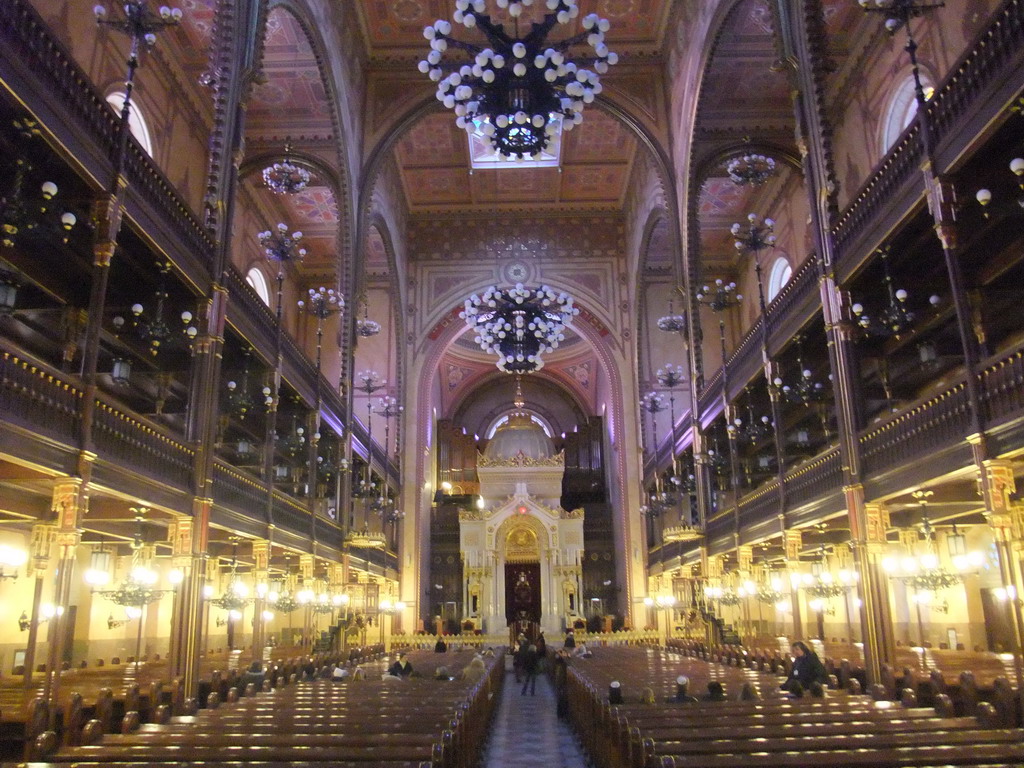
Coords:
806,390
519,324
895,318
23,211
154,326
750,168
519,87
719,297
280,245
137,590
285,177
673,322
365,327
754,430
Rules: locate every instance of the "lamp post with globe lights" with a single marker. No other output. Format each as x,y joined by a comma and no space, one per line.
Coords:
756,236
137,20
720,298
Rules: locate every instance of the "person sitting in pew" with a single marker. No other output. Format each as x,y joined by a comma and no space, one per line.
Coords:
401,667
475,671
682,692
358,673
582,652
807,670
716,691
254,675
440,646
309,669
441,673
339,673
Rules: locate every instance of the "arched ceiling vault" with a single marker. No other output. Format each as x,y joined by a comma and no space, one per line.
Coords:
744,106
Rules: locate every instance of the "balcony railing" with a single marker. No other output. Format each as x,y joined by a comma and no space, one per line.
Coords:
916,431
1002,388
142,447
37,398
239,491
818,478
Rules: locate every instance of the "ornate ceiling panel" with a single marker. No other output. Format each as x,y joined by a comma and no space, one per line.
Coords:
393,25
434,140
292,98
600,138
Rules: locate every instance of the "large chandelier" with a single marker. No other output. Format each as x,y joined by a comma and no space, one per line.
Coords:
137,590
285,177
519,324
519,86
672,322
750,168
236,594
895,318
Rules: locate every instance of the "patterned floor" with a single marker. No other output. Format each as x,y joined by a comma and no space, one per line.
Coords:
527,733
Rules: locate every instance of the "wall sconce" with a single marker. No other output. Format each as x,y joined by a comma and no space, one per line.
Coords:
113,623
11,559
46,612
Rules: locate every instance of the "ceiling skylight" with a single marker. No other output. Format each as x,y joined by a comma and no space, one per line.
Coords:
484,155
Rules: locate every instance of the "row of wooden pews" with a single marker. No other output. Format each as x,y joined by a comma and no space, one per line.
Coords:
100,701
986,694
419,722
842,730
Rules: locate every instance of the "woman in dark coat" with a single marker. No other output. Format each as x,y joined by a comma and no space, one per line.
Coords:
807,670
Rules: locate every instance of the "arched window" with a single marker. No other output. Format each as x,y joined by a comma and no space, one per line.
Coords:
258,281
136,122
902,109
780,273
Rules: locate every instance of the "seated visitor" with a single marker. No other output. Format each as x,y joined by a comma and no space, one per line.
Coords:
441,673
401,667
254,675
339,673
489,653
582,651
309,668
475,671
807,670
716,691
647,696
570,639
682,691
440,646
359,673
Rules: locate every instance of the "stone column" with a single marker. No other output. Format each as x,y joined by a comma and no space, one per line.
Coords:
188,538
70,502
261,574
792,542
307,565
1007,522
43,537
868,542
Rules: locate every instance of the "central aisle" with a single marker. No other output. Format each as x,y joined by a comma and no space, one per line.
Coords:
526,732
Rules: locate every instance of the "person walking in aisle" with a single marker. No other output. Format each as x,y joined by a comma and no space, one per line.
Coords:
530,663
